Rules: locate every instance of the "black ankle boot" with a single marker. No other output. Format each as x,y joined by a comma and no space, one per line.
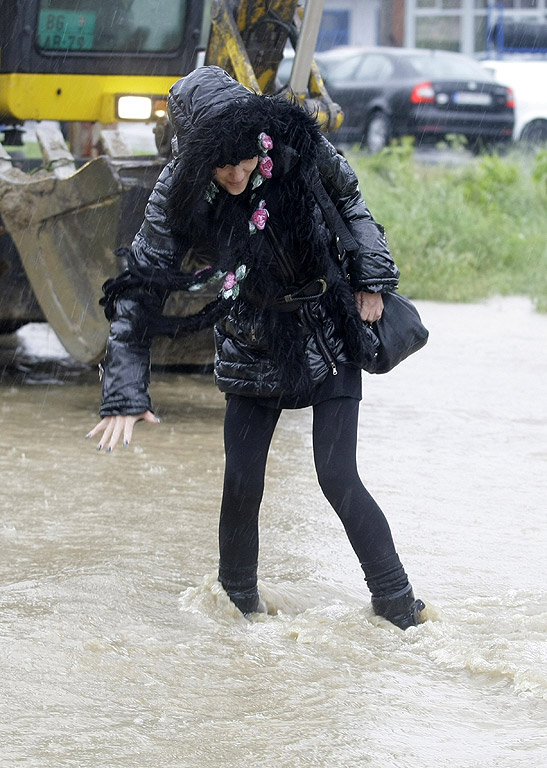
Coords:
247,600
240,586
402,609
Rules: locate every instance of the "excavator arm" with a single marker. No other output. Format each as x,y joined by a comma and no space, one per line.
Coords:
248,41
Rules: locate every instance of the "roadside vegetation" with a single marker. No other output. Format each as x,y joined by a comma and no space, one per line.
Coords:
465,232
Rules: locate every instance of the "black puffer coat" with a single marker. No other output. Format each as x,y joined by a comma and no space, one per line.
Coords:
260,351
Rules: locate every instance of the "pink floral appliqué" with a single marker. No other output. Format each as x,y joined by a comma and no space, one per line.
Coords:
265,167
230,289
260,216
265,142
229,281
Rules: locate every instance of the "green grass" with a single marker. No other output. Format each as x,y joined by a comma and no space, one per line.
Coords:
462,233
31,150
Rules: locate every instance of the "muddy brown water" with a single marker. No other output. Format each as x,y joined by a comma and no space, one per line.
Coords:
118,648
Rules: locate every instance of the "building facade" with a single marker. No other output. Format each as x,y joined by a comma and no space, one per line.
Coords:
458,25
349,22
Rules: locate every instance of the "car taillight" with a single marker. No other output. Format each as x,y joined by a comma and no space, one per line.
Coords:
423,93
510,99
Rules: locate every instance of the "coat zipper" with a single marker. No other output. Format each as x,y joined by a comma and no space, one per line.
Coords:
321,341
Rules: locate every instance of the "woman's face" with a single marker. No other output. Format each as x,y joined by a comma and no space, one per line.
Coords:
234,178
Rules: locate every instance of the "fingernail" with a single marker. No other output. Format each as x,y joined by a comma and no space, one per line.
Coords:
109,449
125,443
99,447
158,421
88,435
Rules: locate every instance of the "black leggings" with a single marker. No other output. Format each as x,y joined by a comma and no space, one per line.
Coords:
248,430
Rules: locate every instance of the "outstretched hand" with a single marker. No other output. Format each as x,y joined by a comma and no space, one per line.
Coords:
114,427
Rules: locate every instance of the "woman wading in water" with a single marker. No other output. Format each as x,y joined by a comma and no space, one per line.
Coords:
242,193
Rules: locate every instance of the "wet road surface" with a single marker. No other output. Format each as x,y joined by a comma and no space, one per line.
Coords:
118,648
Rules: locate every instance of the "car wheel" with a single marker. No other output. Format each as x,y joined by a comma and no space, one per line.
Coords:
535,132
378,132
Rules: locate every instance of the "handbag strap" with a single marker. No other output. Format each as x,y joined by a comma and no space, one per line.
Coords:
344,239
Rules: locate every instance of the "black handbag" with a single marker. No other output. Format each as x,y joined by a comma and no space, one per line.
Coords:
399,332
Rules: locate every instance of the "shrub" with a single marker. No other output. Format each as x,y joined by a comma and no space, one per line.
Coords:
463,232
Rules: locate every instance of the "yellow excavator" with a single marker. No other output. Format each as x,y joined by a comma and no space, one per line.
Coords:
89,65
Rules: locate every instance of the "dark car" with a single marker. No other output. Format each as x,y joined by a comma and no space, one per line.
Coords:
386,93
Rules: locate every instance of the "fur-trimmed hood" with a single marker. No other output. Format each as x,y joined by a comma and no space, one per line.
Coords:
201,97
217,121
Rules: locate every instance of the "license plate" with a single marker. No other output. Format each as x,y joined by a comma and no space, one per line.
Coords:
472,98
66,30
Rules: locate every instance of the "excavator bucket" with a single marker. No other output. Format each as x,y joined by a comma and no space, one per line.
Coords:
66,223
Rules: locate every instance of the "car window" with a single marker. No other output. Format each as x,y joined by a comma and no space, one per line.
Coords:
374,67
336,70
443,66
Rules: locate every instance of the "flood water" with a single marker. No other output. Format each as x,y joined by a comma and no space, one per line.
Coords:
118,648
